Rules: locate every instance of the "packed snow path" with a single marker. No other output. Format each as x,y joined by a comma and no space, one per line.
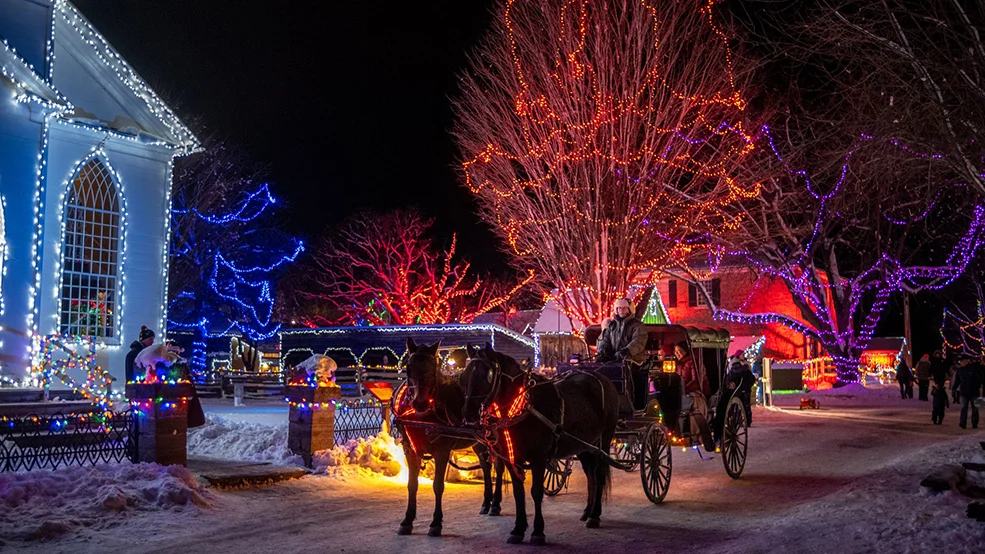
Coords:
844,478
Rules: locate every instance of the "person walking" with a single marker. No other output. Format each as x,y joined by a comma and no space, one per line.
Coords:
939,368
968,381
923,376
905,378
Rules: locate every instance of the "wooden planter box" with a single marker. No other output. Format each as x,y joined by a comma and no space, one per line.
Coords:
162,432
311,429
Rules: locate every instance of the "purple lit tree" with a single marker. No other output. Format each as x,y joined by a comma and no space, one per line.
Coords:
225,251
847,233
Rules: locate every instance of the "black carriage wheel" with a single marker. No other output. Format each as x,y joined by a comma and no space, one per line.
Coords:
556,476
735,438
626,450
655,463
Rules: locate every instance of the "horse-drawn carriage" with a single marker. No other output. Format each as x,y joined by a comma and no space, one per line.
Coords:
656,415
596,412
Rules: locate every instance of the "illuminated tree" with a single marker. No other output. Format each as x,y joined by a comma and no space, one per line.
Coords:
382,269
225,251
963,325
848,232
601,138
913,71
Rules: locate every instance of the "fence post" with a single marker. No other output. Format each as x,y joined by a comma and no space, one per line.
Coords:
312,419
160,411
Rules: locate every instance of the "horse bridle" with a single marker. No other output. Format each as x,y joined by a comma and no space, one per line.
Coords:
433,390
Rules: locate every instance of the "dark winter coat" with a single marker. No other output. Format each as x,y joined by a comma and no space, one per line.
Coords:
938,370
135,348
923,370
740,379
903,373
968,380
622,339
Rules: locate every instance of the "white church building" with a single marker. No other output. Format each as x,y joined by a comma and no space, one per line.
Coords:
86,154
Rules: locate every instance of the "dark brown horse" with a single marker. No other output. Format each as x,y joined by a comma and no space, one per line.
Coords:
430,397
532,420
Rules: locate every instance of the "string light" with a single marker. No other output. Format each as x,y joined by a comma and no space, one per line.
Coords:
37,88
236,282
876,283
969,331
552,140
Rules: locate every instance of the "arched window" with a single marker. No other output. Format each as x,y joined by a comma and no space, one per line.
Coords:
90,254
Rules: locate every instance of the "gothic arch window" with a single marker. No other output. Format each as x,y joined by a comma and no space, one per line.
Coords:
90,254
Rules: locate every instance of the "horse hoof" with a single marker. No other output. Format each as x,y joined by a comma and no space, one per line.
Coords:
405,529
484,510
538,540
495,510
434,531
514,539
593,523
584,517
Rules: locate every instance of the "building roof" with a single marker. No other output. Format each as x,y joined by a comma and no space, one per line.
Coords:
25,79
888,344
124,101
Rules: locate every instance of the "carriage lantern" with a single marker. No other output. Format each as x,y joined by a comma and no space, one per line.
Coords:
670,365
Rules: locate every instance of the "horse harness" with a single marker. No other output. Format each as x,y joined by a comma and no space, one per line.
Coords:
494,422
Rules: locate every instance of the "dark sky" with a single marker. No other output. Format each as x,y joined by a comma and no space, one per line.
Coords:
347,101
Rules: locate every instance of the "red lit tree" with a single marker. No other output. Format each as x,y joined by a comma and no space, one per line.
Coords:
382,269
601,138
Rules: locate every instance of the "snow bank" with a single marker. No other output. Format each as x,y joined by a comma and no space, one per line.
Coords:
228,439
44,504
850,395
235,440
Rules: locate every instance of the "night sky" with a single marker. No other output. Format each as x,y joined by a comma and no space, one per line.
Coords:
348,102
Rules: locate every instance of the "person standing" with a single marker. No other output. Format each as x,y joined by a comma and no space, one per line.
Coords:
923,376
968,381
144,339
939,368
905,378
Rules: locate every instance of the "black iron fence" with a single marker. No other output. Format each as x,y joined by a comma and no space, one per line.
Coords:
52,441
361,421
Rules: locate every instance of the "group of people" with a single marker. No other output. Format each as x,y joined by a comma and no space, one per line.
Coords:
944,381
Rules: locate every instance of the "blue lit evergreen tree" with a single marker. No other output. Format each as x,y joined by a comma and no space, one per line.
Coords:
226,251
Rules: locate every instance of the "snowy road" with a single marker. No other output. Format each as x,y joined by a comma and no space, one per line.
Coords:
840,479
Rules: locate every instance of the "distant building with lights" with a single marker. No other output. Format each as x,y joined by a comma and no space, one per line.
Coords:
732,288
86,153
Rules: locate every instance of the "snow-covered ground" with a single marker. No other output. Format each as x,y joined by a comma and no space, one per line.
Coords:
842,478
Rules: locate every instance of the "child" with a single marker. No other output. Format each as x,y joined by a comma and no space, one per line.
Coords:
939,395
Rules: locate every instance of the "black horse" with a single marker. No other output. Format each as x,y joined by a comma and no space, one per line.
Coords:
430,397
532,420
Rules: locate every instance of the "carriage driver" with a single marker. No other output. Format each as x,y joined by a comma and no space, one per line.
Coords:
624,340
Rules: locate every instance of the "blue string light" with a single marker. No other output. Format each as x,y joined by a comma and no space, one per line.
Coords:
236,295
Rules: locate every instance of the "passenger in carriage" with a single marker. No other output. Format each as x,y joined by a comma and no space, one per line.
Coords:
624,340
696,387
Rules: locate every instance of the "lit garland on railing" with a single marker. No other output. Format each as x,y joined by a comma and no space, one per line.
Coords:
342,405
882,278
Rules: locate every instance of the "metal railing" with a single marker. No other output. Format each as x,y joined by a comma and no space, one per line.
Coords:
52,441
360,422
